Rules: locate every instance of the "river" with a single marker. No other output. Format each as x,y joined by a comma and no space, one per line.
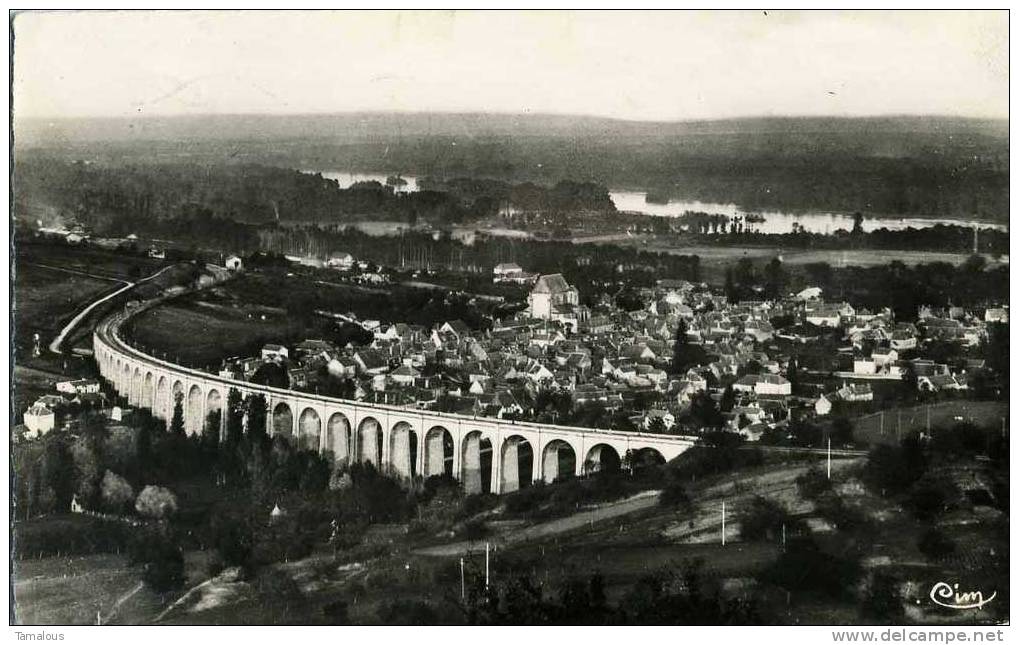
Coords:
775,222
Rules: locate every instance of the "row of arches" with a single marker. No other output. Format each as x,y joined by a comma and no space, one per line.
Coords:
480,466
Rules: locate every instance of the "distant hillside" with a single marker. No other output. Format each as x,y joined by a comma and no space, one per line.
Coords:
906,166
372,125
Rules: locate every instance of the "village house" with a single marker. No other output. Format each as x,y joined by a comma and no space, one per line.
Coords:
405,375
996,315
272,352
39,420
855,392
769,384
370,362
823,406
79,386
341,261
823,316
655,417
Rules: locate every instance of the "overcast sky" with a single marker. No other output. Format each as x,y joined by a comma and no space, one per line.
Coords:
631,65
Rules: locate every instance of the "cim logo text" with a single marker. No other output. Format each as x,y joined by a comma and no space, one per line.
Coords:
949,596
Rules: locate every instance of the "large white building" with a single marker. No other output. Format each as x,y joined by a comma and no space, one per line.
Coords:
551,295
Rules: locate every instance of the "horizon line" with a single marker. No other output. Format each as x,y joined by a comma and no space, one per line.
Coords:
499,113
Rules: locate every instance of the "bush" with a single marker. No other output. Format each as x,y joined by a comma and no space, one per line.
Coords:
475,529
763,519
161,559
232,538
674,495
835,510
407,612
934,544
929,498
69,535
156,502
117,493
883,602
336,613
804,567
893,469
813,483
527,499
474,504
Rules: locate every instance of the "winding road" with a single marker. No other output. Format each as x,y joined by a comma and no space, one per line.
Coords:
69,327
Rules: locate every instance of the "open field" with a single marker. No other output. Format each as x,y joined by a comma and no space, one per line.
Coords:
45,299
89,260
73,590
54,282
899,421
715,258
202,335
855,257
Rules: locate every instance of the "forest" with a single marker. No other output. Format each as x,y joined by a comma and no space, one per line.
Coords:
919,166
115,199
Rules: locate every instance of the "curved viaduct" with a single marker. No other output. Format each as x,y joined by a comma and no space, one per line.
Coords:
484,454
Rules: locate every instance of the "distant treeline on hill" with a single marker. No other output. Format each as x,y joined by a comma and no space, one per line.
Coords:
901,166
117,200
487,195
580,264
944,238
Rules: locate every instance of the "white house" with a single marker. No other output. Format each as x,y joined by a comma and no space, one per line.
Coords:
39,419
996,315
507,272
341,261
810,293
667,418
273,352
822,407
764,384
80,386
234,263
824,316
856,392
342,367
883,357
405,375
865,366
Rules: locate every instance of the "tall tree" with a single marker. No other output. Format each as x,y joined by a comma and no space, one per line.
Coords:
177,420
730,286
257,412
775,279
679,348
234,417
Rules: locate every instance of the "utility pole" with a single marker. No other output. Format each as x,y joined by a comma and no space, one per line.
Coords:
463,585
723,523
829,457
486,565
882,423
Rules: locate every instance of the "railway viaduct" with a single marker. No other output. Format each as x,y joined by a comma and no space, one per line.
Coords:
484,454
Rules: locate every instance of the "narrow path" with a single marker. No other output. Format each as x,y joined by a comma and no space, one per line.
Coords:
69,327
76,272
102,620
606,511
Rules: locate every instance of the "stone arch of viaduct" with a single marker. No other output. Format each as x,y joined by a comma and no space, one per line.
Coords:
484,454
